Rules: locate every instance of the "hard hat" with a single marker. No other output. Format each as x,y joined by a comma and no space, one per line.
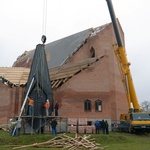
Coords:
47,100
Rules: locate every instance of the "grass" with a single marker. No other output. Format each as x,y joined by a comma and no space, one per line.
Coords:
115,141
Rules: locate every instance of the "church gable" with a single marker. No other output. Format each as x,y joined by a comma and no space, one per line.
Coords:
59,51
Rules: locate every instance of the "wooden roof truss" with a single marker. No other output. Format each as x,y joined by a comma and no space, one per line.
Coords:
59,75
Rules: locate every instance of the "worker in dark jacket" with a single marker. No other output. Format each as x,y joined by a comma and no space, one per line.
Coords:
56,108
103,126
106,127
53,125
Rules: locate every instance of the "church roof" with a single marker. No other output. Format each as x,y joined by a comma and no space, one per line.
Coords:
59,51
18,75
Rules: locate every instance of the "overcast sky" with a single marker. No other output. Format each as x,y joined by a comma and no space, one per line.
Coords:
21,28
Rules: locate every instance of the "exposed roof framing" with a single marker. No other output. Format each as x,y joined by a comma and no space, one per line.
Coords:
58,75
14,75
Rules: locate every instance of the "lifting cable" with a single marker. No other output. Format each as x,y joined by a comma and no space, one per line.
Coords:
44,21
43,39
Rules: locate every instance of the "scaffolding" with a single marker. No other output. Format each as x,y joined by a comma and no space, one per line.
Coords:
44,124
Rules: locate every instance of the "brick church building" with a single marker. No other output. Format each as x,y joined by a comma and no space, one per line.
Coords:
84,74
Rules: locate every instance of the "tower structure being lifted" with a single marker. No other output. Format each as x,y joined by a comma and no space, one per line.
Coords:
40,90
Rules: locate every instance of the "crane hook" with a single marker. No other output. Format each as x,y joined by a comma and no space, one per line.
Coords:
43,39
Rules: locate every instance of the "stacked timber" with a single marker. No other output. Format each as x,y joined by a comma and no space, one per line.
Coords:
67,142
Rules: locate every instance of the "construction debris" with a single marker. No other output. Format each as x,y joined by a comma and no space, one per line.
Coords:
5,127
67,142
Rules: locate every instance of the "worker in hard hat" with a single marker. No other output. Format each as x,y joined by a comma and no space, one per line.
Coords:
31,105
47,105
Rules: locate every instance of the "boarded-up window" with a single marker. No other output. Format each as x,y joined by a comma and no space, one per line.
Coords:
87,105
98,105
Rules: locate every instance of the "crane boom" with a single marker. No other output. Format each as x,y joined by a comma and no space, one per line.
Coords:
121,52
134,120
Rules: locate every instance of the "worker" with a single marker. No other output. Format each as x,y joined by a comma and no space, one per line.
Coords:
31,105
47,105
56,108
106,127
12,127
103,126
97,127
53,125
18,127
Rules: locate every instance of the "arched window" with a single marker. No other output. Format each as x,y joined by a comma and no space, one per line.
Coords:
98,105
92,52
87,105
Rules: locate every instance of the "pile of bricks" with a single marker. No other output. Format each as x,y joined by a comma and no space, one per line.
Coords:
81,129
82,123
90,129
80,126
72,125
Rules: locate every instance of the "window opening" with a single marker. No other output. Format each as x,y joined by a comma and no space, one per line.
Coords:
92,52
98,105
89,123
87,105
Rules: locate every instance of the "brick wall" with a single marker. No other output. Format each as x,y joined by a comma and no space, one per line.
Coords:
99,81
10,101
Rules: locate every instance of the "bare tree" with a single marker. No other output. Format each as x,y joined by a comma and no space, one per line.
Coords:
146,106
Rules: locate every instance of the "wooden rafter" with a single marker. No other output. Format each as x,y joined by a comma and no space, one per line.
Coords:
19,75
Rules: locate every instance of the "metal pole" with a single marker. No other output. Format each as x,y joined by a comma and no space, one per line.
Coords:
25,100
